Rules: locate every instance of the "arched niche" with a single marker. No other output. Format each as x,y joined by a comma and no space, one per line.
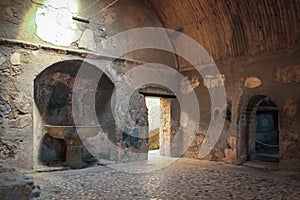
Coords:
53,92
259,130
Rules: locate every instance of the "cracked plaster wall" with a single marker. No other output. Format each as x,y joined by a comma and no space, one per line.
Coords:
20,64
278,73
30,21
275,76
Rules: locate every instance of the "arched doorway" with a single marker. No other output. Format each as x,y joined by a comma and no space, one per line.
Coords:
165,120
267,134
259,134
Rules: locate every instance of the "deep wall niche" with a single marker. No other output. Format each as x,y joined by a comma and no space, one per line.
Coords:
259,130
53,96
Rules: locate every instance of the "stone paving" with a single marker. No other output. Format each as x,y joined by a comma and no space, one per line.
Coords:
182,179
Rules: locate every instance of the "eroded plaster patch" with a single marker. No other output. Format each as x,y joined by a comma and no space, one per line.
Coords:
212,81
10,14
15,59
87,40
184,119
2,60
193,83
252,82
290,108
55,25
288,74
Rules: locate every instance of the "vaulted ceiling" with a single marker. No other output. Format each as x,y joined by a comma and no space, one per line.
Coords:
230,29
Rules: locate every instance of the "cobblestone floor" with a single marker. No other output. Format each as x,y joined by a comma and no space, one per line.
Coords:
183,179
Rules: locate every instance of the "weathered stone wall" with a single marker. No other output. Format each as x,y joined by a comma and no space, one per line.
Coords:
22,127
165,127
25,26
274,76
17,103
278,75
30,21
14,185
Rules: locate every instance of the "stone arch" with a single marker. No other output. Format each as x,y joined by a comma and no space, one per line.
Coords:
53,95
247,127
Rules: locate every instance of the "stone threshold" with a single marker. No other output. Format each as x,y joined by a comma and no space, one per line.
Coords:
262,165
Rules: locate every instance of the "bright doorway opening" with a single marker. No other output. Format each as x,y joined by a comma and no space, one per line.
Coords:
154,121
